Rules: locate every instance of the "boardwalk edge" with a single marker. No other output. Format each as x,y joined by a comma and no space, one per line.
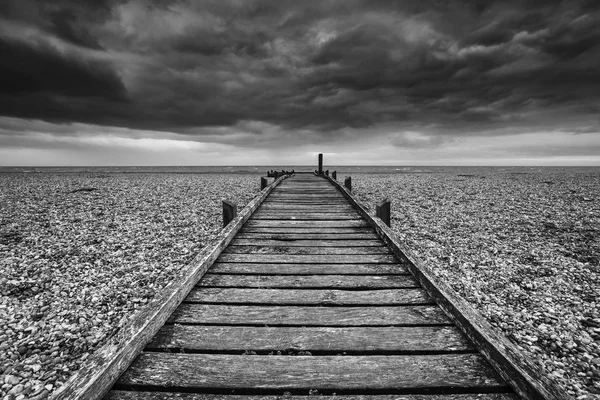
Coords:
525,378
99,372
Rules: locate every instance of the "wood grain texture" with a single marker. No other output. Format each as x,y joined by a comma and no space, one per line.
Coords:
305,250
285,207
237,241
356,234
524,377
355,282
308,232
308,269
259,223
190,313
303,216
356,340
127,395
308,258
305,372
99,372
330,297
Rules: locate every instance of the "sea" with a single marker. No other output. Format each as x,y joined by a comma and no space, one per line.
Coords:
341,169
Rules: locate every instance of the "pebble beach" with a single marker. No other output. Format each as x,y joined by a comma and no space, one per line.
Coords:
81,253
522,247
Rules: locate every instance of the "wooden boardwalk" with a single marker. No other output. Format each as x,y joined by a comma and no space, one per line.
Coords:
307,299
305,294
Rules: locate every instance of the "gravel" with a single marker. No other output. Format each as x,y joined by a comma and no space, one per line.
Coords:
522,247
80,253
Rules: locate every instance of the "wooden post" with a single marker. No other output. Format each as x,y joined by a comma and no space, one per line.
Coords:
229,212
382,210
334,175
263,183
348,183
320,163
327,172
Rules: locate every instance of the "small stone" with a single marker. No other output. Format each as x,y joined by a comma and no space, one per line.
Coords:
22,350
11,379
16,389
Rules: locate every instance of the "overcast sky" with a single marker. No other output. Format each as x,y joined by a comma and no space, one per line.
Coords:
398,82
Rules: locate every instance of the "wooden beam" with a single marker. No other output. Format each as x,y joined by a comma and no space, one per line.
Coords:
100,371
382,210
263,183
527,379
229,212
320,164
348,183
334,175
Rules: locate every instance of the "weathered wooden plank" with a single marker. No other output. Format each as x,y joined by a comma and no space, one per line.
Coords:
330,203
353,340
224,371
299,215
524,377
305,224
306,243
389,297
305,250
99,372
127,395
308,269
311,259
191,313
307,231
310,281
288,208
359,234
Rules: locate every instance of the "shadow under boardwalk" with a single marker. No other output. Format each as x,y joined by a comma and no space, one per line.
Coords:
308,300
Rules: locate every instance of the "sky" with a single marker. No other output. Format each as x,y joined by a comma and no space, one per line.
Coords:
242,82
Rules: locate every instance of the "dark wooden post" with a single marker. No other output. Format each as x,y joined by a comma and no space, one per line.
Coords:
263,183
334,175
348,183
320,163
229,212
327,172
382,210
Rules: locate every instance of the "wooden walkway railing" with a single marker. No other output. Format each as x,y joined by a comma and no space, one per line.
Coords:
310,295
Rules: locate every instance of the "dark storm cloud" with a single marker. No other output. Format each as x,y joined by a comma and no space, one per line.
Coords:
459,66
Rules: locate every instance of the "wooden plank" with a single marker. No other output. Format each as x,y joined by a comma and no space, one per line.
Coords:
222,371
191,313
526,378
389,297
305,243
305,250
330,203
308,269
301,216
354,340
281,208
355,282
307,231
305,224
98,373
126,395
365,234
311,259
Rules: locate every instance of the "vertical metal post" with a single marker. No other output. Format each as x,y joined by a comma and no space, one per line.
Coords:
320,163
348,183
263,183
382,210
229,212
